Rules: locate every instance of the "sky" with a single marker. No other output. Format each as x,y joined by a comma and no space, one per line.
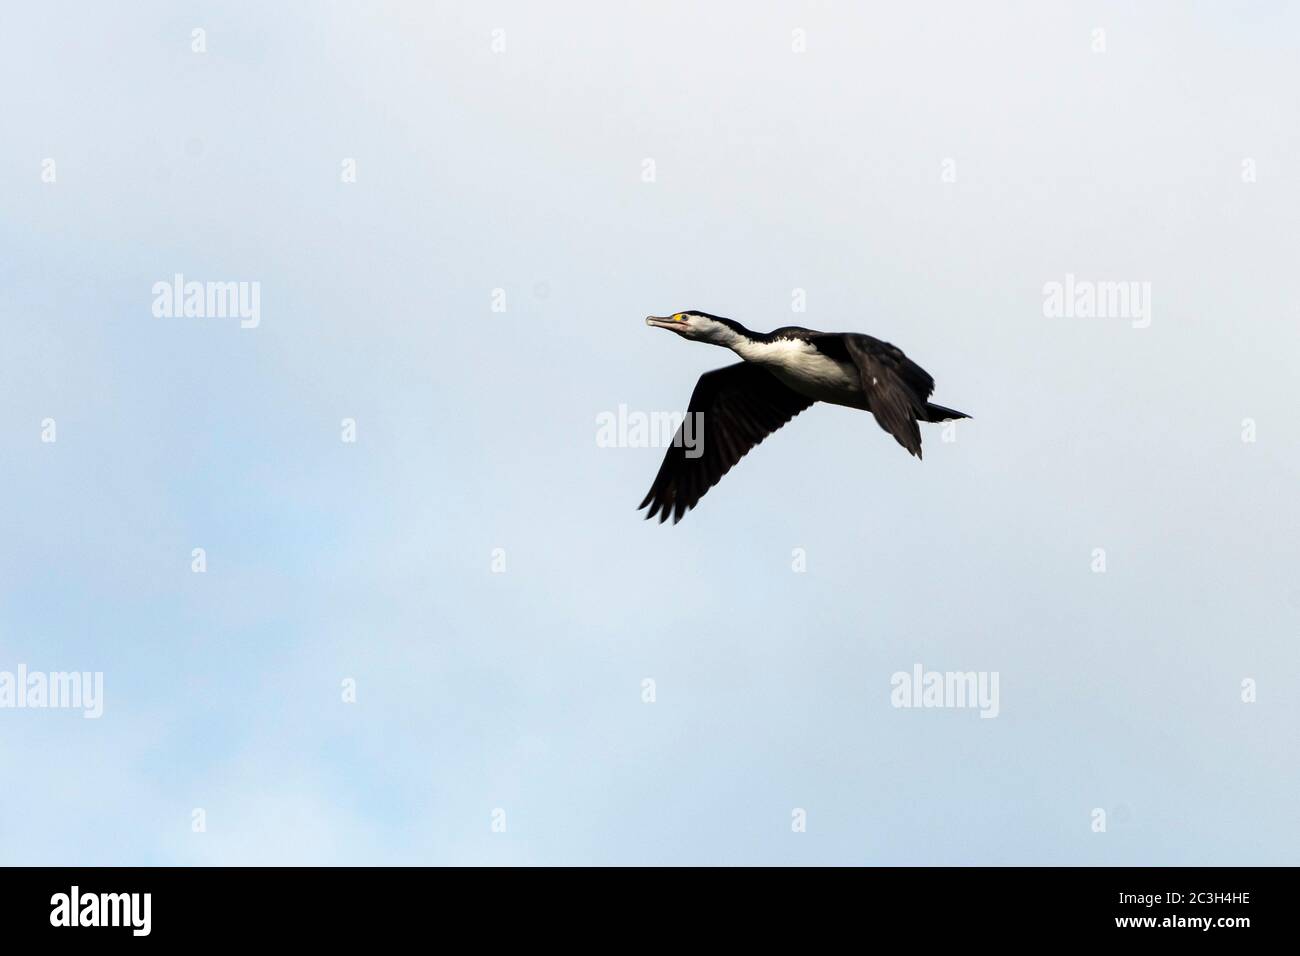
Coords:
430,627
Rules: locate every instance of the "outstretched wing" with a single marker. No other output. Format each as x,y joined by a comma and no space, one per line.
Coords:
896,387
738,406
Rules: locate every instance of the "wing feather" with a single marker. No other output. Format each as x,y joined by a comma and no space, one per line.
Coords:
896,388
740,405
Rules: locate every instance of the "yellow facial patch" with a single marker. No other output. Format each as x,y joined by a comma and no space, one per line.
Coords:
679,317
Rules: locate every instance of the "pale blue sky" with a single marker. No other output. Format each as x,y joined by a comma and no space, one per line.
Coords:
522,170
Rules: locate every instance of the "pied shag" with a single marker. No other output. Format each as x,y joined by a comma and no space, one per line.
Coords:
783,372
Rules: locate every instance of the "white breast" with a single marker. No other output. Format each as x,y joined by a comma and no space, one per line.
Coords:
806,370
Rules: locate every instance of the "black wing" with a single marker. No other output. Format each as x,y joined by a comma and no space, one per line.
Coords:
896,388
740,405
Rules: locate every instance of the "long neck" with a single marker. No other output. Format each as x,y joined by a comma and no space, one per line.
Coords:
740,339
751,346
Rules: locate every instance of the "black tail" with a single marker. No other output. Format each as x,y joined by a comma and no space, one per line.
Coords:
937,413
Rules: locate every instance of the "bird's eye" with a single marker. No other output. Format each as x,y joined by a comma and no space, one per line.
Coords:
679,317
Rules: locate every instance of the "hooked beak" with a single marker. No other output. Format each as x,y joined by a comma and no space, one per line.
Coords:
665,323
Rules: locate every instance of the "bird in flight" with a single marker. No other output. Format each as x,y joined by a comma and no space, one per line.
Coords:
783,372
